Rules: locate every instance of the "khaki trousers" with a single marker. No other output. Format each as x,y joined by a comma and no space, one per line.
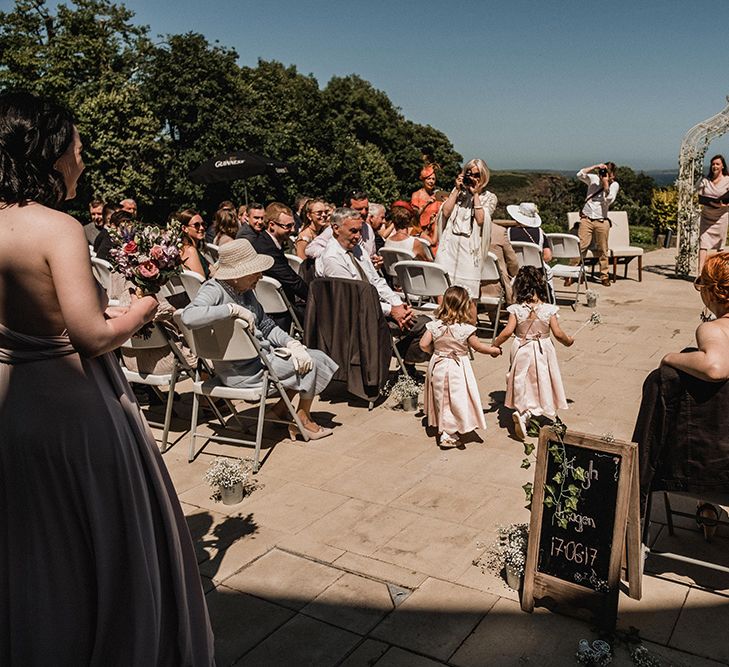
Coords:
598,230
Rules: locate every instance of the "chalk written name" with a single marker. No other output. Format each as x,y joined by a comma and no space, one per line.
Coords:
590,474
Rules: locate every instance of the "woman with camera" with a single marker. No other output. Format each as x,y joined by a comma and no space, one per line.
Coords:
464,227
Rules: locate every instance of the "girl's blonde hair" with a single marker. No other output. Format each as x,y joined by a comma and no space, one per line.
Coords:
455,307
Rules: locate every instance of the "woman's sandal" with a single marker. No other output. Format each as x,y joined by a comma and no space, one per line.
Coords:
707,517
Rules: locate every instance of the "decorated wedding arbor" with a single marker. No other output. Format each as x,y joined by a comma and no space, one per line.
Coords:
690,170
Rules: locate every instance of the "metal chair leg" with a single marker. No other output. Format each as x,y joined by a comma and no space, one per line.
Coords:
168,411
669,513
259,426
193,427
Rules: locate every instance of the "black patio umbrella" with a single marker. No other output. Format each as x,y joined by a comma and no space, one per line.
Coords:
237,165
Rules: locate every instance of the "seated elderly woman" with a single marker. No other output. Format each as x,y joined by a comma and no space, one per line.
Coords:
403,220
682,428
230,294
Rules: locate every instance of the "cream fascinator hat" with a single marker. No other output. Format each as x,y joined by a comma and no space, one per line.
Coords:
525,214
238,258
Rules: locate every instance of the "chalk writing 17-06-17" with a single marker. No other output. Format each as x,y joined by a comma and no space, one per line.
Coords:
575,552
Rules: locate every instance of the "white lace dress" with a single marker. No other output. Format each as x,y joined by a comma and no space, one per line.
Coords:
464,243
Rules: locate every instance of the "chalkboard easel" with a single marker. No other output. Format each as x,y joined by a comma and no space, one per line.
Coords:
577,539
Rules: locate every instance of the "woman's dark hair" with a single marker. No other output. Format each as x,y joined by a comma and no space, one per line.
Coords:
226,222
120,217
724,170
528,282
34,133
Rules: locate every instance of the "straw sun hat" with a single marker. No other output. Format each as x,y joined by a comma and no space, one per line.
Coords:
525,214
238,258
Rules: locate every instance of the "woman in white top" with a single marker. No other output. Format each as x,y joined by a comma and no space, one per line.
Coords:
315,217
465,218
714,213
403,220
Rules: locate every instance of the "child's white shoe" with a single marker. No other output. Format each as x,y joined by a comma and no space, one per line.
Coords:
448,440
520,427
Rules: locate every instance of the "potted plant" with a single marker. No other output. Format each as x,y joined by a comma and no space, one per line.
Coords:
507,555
229,479
405,391
591,296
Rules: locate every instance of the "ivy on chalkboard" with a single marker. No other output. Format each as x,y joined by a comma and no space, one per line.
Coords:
561,493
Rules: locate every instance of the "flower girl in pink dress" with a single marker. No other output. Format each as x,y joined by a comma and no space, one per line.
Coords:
533,383
452,401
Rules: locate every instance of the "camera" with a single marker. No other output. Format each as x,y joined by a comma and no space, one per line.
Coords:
467,180
603,172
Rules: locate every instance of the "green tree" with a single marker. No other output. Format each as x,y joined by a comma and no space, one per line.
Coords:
89,56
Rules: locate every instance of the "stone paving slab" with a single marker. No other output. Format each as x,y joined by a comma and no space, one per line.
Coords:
298,573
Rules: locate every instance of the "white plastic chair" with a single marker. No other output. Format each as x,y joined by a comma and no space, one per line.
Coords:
211,252
102,272
158,340
424,280
490,274
391,256
567,246
295,262
191,282
530,254
230,340
271,296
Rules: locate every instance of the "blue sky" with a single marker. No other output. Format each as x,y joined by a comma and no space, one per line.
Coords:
523,84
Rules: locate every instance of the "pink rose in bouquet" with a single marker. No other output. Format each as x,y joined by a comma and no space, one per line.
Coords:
130,248
156,252
148,270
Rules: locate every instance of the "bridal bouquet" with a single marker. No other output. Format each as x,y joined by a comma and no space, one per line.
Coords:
147,256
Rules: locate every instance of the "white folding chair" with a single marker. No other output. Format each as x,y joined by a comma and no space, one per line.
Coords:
211,252
567,247
530,254
230,340
491,275
391,256
158,340
102,272
271,296
191,282
295,262
423,280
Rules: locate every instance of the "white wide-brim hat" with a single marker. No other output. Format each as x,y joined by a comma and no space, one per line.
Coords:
238,258
525,214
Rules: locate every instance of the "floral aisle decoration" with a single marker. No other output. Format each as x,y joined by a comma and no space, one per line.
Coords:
405,391
507,555
230,479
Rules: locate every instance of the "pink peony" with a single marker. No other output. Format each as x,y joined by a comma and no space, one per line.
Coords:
130,248
156,252
148,270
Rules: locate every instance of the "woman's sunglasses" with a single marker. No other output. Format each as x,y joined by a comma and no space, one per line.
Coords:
197,225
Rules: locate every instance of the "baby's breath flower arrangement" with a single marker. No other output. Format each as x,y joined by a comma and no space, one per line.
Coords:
508,551
225,473
404,387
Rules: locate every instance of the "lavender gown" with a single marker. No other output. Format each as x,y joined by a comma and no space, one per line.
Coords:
96,562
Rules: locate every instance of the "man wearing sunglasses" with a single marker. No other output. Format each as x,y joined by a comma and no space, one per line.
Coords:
271,241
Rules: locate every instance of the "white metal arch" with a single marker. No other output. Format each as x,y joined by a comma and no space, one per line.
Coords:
690,170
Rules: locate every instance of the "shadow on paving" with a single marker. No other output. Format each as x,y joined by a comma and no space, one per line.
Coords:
286,631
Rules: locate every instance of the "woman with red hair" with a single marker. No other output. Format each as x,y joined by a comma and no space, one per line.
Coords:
421,198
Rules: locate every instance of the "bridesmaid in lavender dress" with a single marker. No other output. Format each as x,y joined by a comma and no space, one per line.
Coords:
452,400
96,562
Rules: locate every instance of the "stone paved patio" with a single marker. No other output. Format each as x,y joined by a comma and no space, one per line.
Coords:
358,548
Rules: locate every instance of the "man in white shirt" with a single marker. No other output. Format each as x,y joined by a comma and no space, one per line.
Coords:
359,202
602,188
344,257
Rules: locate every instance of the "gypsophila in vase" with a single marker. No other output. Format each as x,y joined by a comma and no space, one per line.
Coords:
229,479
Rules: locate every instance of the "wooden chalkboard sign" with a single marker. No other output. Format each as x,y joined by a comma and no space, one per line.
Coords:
583,489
